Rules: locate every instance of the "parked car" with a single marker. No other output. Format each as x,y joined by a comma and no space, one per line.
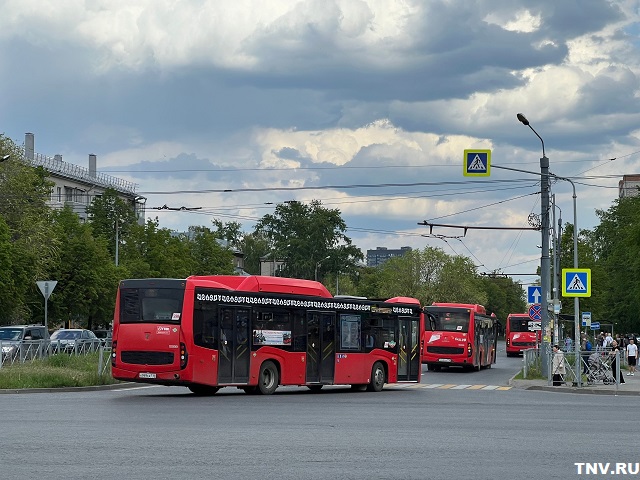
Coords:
74,340
23,342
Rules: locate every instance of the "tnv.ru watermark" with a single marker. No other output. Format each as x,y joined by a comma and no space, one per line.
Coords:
589,468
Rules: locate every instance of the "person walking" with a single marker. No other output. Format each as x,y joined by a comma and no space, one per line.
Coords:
616,351
585,348
632,356
557,366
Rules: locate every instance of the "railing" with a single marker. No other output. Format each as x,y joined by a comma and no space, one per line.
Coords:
592,368
30,350
80,173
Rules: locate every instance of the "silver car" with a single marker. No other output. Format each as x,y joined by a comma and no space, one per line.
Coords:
23,342
74,340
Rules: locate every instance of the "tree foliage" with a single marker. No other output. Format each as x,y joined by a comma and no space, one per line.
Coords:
308,238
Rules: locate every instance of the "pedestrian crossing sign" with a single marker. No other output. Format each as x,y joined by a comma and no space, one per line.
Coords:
477,163
576,282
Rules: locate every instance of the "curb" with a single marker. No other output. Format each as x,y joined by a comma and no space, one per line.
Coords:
584,391
93,388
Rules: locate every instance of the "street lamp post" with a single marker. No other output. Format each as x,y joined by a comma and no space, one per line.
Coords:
318,264
545,266
576,300
4,157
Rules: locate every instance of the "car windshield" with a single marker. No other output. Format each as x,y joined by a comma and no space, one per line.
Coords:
10,334
65,335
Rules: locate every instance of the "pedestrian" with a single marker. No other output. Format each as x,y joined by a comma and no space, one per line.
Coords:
557,366
568,343
616,351
585,347
632,356
608,340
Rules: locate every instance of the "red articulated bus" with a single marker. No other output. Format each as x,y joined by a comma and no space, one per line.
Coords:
459,334
521,333
256,332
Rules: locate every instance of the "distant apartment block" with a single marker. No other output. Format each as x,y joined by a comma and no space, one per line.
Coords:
628,186
382,254
78,186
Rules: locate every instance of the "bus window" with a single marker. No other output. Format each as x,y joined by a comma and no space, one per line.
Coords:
205,325
350,328
452,321
159,305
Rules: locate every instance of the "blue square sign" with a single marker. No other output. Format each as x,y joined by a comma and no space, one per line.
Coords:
576,282
534,294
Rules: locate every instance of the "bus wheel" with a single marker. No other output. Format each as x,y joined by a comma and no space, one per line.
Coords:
203,390
268,381
315,388
377,378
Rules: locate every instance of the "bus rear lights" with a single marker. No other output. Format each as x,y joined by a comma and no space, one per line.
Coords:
184,356
469,350
113,353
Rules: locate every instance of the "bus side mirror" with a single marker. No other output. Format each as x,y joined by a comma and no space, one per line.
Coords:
432,321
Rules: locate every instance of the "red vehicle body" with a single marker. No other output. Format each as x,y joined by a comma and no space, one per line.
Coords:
521,333
255,333
459,334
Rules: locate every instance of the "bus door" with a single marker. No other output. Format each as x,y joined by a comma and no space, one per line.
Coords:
321,347
234,352
409,361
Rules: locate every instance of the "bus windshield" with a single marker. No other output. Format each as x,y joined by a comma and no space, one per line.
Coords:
520,324
451,321
158,305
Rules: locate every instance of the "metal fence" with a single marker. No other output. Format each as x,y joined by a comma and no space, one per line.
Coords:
602,367
31,350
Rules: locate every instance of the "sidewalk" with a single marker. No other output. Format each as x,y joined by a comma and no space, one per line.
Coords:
630,387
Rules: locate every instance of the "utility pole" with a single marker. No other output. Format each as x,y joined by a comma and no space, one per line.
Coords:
545,266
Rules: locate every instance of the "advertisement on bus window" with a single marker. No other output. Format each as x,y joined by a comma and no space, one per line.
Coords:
272,337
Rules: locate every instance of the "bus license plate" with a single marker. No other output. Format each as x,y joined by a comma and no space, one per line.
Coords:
147,375
445,360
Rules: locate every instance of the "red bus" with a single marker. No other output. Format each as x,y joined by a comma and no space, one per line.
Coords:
459,334
521,333
256,332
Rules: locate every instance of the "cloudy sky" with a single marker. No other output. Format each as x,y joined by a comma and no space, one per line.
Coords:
366,105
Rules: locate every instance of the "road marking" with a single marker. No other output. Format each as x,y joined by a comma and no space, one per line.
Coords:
450,386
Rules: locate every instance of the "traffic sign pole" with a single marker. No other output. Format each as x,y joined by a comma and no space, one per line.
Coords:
46,288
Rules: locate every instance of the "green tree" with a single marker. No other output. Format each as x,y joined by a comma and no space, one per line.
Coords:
153,252
24,191
209,257
504,296
303,235
616,248
111,217
230,232
86,275
253,246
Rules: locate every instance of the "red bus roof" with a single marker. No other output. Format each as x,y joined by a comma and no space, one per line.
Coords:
404,300
518,315
477,308
257,283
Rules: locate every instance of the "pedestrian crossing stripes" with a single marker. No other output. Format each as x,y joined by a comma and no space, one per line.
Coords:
449,386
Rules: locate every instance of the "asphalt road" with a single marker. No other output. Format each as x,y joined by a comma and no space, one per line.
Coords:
399,433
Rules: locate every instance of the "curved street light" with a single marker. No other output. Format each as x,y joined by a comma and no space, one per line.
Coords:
318,264
5,157
545,264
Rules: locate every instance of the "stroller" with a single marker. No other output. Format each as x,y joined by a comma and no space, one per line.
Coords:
600,369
